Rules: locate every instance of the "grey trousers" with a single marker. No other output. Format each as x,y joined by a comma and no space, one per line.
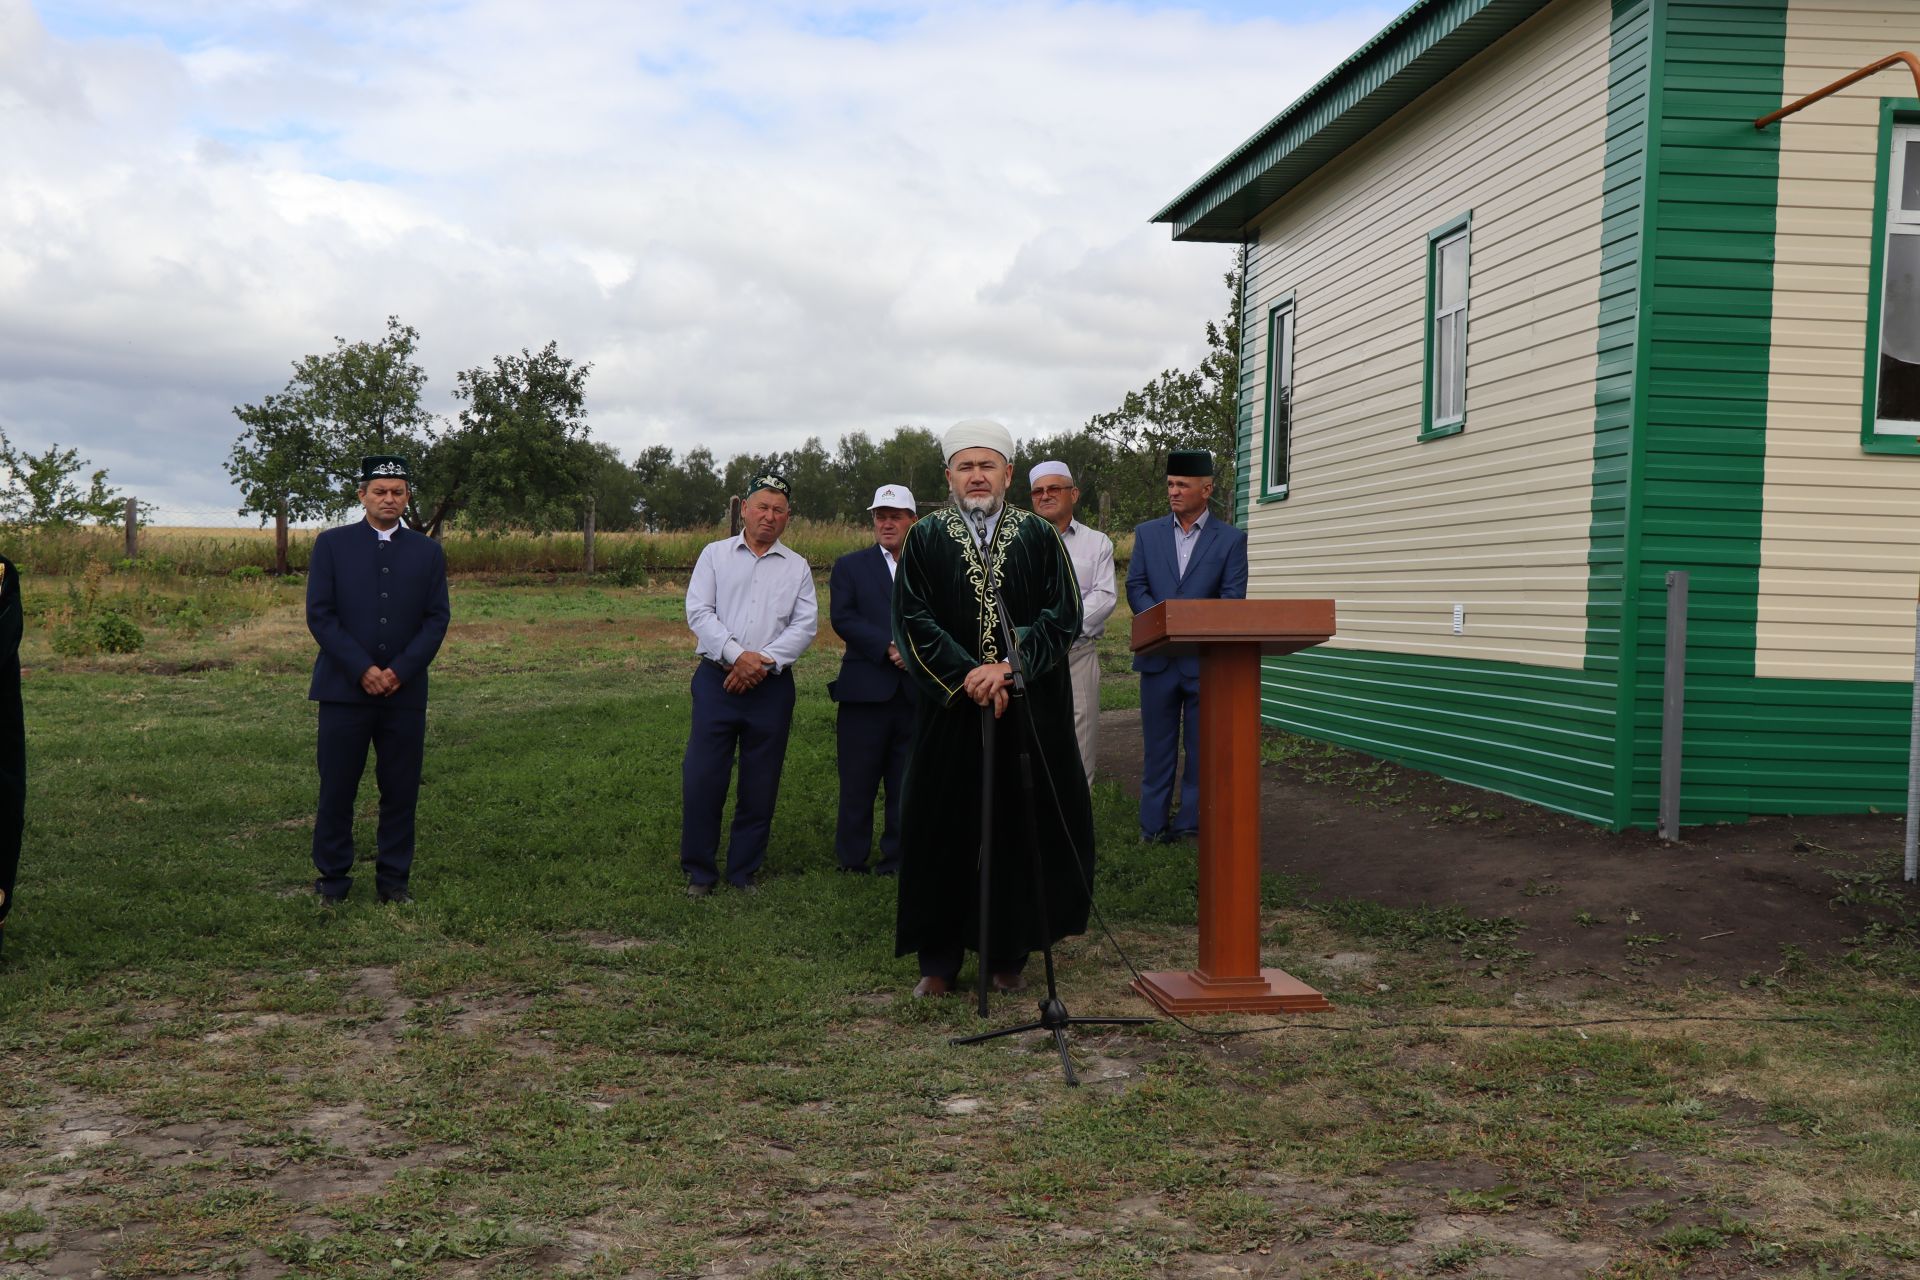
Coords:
1083,663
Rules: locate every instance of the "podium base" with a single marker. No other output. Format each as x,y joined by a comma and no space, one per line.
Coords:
1274,991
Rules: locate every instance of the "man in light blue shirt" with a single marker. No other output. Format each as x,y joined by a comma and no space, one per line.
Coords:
752,610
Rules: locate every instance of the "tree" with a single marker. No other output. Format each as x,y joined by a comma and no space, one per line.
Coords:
1181,409
42,490
299,453
692,495
285,469
616,491
518,453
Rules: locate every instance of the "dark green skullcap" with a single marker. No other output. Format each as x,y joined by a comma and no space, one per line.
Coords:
1189,462
768,480
384,466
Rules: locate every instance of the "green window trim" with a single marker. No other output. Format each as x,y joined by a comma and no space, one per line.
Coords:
1266,487
1893,111
1445,231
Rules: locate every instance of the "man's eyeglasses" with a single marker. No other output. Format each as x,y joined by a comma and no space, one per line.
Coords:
1052,489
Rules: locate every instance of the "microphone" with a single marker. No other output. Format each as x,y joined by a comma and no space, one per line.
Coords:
979,519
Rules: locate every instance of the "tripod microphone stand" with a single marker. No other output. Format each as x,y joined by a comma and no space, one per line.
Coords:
1053,1012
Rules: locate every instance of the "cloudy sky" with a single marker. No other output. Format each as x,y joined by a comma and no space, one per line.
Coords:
759,221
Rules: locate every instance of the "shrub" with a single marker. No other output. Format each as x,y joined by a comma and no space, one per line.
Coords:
117,633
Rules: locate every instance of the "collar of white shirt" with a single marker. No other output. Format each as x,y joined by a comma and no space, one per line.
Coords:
1199,523
778,548
385,535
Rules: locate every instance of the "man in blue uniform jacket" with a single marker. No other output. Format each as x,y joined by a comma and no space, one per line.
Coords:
1188,555
377,604
875,726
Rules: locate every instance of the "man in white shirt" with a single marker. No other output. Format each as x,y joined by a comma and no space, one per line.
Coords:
1054,496
751,606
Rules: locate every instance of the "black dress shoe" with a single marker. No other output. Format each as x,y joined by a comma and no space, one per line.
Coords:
400,897
699,891
933,985
330,900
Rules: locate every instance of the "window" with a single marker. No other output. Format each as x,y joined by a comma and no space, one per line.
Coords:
1277,451
1443,402
1892,399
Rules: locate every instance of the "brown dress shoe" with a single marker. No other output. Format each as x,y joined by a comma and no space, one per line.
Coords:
932,986
1009,983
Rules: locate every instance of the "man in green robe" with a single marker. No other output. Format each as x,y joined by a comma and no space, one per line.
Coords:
946,626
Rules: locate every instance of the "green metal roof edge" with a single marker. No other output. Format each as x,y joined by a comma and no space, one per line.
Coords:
1408,56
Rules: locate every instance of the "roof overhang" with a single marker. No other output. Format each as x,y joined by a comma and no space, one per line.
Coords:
1413,53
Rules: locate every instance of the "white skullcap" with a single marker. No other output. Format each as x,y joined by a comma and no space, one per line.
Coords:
979,433
1051,467
894,495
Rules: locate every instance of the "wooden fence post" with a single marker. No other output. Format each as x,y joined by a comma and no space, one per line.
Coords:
733,516
133,528
280,539
589,534
1106,508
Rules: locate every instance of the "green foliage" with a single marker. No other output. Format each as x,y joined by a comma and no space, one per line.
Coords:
518,455
1195,408
43,490
298,455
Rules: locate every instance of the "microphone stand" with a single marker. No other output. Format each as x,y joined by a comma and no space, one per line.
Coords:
1053,1012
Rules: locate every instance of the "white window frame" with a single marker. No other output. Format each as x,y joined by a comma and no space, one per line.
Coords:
1900,222
1282,333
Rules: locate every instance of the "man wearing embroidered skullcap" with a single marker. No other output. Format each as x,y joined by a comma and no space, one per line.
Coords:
752,610
1186,555
874,725
377,605
1054,496
946,624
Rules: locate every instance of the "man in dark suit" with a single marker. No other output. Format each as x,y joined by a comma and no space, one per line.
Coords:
1188,555
875,727
377,604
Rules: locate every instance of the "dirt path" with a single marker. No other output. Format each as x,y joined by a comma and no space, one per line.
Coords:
1721,907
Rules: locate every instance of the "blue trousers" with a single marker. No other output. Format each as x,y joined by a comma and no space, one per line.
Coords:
753,727
1169,713
873,741
398,736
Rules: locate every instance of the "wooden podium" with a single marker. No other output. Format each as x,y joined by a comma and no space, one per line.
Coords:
1229,636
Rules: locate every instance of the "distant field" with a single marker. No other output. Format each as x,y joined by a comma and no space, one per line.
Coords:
630,558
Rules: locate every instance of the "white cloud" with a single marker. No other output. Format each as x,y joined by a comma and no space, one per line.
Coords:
759,221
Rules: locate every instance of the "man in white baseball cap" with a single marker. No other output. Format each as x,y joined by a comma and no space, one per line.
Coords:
1054,495
875,723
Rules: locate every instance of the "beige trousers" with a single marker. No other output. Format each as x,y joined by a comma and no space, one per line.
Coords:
1083,662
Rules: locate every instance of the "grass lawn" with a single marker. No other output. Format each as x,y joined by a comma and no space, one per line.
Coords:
553,1063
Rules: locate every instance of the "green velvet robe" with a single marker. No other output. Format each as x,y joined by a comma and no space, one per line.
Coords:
13,739
943,625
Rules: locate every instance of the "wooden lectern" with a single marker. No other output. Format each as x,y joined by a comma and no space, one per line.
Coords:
1230,636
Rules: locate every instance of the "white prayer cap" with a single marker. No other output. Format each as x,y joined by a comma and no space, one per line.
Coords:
979,433
893,495
1051,467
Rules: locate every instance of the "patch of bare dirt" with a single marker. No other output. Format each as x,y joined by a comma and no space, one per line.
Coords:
1723,905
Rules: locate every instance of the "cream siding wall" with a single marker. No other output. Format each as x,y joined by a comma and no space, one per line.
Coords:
1840,540
1497,517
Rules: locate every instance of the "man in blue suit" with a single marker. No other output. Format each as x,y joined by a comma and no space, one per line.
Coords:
377,605
875,726
1188,555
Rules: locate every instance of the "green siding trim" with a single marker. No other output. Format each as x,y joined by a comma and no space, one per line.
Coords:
1243,423
1639,70
1695,495
1414,52
1892,111
1542,734
1462,223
